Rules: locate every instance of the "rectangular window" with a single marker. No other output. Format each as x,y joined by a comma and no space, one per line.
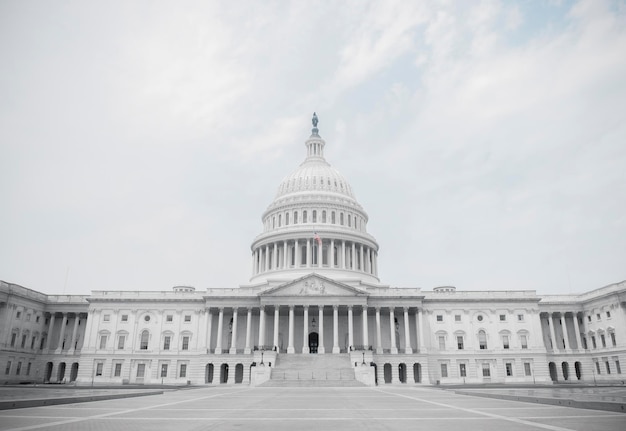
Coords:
18,315
187,317
28,316
120,342
593,341
509,369
185,343
28,367
169,318
99,367
118,370
597,316
503,318
459,342
613,339
527,371
598,370
603,340
163,370
183,370
32,342
13,338
608,314
505,341
462,370
589,318
124,317
584,340
7,370
444,370
103,341
18,370
442,342
606,364
520,317
23,341
618,369
106,317
457,317
524,341
166,342
486,370
439,317
37,319
141,370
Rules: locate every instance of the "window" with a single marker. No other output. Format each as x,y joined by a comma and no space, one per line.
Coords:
589,318
32,342
304,217
187,317
597,316
606,363
163,370
613,338
18,370
141,370
166,342
482,340
462,370
146,318
28,316
37,319
295,217
18,315
120,342
24,337
124,317
527,371
503,318
439,317
103,341
593,341
185,343
524,341
444,370
608,315
520,317
106,317
505,341
486,370
459,342
169,318
13,339
618,369
442,342
287,219
28,367
584,340
598,370
99,367
117,372
509,369
341,219
457,317
183,370
143,345
323,216
480,318
314,216
603,340
332,217
7,370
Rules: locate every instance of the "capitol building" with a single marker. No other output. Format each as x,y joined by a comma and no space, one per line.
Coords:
314,312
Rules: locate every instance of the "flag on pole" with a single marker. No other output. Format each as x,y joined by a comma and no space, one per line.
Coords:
317,238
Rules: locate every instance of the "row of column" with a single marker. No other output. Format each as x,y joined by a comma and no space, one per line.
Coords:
64,322
350,255
321,349
566,342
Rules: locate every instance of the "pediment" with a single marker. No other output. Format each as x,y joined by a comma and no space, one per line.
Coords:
313,285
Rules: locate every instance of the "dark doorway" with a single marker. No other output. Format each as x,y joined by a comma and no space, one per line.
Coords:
387,372
417,373
565,367
578,369
238,373
48,374
208,373
74,372
61,373
402,373
313,342
553,374
224,373
373,364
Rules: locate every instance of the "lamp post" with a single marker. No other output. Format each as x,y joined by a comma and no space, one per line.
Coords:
262,358
363,358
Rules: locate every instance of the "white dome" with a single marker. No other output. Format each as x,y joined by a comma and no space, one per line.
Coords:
314,175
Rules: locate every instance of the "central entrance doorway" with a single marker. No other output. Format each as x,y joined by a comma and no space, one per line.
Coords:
313,342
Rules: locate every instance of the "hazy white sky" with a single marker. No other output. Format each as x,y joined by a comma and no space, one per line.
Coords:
140,142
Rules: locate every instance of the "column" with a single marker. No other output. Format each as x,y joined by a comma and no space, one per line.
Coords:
320,347
276,323
220,327
305,336
553,332
275,256
76,320
368,263
261,327
308,253
247,350
285,252
335,329
392,330
343,254
233,339
350,328
407,333
62,333
296,251
420,318
290,348
375,263
267,257
209,328
361,259
366,337
331,254
379,343
253,263
565,335
353,257
577,327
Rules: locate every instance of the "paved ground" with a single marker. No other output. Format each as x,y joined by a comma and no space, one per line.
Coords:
276,409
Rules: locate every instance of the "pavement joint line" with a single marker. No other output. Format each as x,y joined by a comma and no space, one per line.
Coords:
492,415
106,415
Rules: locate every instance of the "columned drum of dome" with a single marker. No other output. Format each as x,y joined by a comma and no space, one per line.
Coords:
315,224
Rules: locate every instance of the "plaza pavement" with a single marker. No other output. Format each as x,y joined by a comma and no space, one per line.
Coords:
276,409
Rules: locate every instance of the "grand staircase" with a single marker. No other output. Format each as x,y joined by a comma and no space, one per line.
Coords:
312,370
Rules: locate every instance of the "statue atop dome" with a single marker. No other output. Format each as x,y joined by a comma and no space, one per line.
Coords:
314,120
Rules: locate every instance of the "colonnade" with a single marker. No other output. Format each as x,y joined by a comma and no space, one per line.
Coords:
561,340
62,332
307,311
312,253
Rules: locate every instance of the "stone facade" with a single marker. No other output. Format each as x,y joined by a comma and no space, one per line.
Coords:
314,290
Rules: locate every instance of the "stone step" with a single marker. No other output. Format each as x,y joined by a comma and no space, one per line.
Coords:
312,383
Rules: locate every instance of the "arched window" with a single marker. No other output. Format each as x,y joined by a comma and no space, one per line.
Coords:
287,219
332,217
349,221
323,216
482,340
280,219
341,219
273,222
304,218
295,217
314,216
145,336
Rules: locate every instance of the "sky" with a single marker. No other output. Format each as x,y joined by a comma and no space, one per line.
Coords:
140,142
